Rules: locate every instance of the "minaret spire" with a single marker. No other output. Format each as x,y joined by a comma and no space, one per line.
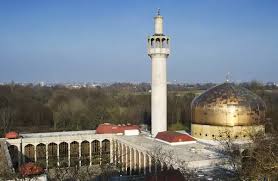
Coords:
158,12
158,23
159,50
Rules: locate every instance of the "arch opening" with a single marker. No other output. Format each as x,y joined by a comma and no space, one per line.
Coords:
147,166
52,155
85,153
157,43
63,154
132,160
74,153
124,152
137,162
41,155
128,159
95,152
105,151
164,43
142,163
29,151
152,43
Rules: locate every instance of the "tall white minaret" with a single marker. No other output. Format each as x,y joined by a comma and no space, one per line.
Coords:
159,50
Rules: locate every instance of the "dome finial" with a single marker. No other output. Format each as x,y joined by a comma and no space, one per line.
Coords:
158,12
228,77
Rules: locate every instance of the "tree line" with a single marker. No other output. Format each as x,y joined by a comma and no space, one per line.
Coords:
35,108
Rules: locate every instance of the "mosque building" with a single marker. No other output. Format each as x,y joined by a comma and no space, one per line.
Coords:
225,108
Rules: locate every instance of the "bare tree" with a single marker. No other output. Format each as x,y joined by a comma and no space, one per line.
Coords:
6,118
228,147
85,172
167,159
255,160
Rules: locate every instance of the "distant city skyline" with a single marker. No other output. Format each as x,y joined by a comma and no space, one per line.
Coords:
105,41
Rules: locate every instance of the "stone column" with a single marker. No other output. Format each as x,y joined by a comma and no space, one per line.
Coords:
116,149
111,151
100,152
90,151
35,153
139,163
46,155
69,154
58,155
131,161
79,151
126,159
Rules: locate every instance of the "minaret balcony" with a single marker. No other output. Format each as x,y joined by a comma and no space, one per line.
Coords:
158,45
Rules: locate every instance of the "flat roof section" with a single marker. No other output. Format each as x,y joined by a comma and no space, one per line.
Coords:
55,134
196,154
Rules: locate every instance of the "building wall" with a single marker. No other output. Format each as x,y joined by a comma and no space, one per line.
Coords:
209,132
64,151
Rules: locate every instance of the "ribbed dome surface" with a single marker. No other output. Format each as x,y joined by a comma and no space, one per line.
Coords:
228,104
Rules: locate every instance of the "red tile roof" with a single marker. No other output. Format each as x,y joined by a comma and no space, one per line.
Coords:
11,135
172,137
107,128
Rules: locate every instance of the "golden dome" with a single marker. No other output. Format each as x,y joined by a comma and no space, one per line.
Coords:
228,104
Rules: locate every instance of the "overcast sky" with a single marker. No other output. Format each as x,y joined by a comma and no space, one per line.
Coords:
101,40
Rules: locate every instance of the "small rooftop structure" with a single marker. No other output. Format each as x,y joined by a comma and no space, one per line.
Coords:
11,135
174,138
108,128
